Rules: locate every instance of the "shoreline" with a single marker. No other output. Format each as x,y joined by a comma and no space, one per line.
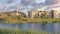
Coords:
32,20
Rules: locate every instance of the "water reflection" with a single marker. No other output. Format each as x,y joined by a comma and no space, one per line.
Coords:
56,27
52,27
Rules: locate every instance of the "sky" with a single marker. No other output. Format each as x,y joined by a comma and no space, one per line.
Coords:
37,1
24,5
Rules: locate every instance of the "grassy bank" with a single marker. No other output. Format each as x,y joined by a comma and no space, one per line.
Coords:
16,31
44,20
29,20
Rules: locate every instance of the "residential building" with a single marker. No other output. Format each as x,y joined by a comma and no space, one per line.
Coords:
2,15
16,13
12,13
32,13
43,14
37,14
54,14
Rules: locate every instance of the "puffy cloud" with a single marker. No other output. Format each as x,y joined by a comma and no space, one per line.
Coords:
1,6
40,1
27,2
49,2
10,1
30,3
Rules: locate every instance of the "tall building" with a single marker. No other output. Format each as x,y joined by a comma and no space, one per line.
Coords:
38,14
32,13
54,14
43,14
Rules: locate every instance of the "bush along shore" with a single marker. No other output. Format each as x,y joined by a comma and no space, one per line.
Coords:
29,20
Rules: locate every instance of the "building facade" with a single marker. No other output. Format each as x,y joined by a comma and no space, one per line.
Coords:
44,14
38,14
54,14
32,13
13,14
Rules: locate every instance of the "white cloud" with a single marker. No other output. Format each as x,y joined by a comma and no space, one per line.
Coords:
39,1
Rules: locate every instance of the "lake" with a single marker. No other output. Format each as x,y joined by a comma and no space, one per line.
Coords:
51,27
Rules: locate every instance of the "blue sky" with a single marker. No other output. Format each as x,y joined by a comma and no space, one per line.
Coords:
19,1
40,1
24,4
9,3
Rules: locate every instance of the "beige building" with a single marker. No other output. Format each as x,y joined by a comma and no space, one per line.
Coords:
32,13
54,14
38,14
15,13
44,14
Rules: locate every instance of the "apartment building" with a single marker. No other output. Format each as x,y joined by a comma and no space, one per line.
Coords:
32,13
12,13
44,14
38,13
54,14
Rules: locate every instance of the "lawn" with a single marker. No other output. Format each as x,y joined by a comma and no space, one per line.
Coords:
17,31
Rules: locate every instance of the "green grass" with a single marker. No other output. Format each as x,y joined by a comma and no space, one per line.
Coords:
43,20
30,20
16,31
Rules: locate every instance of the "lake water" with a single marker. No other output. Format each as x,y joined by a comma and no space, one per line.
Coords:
51,27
